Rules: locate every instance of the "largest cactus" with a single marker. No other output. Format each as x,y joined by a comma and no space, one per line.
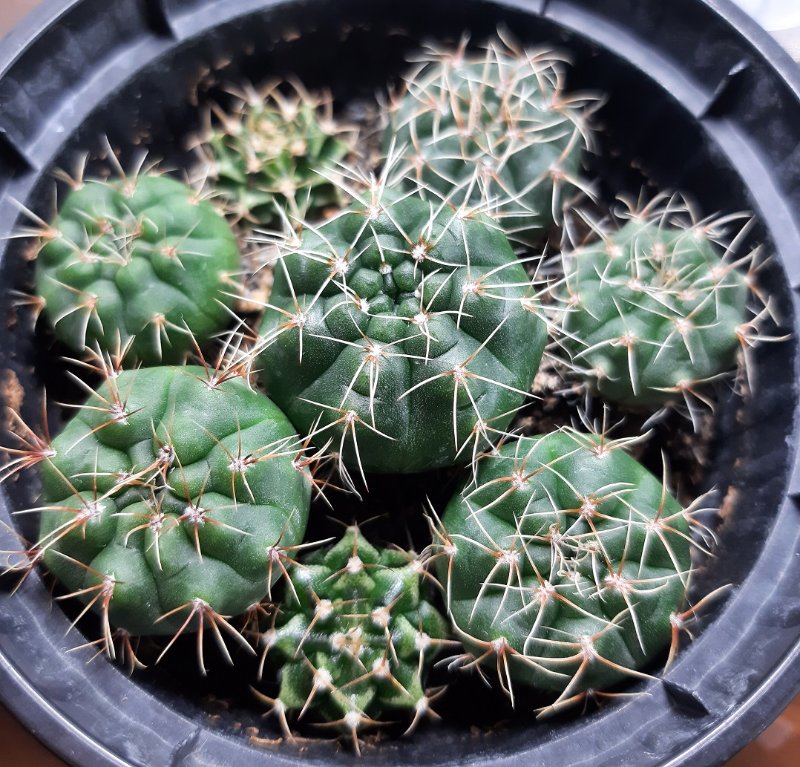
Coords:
403,330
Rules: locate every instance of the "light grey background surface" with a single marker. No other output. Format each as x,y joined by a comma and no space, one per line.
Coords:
781,18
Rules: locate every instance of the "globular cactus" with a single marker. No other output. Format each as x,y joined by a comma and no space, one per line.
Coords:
405,331
170,501
565,564
654,309
269,153
138,261
354,638
496,128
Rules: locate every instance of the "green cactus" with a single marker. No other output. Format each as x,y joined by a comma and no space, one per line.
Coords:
403,331
565,563
654,309
268,154
494,128
170,499
354,637
138,261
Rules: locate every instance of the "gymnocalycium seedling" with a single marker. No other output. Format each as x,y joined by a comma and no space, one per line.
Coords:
138,261
269,152
355,635
654,309
404,330
495,127
167,501
565,563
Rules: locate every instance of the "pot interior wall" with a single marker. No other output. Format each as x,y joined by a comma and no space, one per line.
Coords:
646,137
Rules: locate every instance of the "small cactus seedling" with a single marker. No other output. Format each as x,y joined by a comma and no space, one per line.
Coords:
138,258
354,637
267,154
564,564
169,501
655,309
402,329
494,127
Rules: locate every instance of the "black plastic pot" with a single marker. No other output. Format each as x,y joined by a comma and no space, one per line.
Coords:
699,99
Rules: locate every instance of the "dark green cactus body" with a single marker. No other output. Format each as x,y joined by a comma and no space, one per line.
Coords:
406,329
269,152
137,257
652,311
493,128
355,635
169,491
564,562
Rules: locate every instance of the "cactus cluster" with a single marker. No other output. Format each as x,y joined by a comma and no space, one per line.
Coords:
400,306
564,564
402,334
139,261
269,156
654,308
494,128
354,636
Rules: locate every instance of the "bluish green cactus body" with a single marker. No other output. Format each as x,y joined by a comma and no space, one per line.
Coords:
494,129
652,311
